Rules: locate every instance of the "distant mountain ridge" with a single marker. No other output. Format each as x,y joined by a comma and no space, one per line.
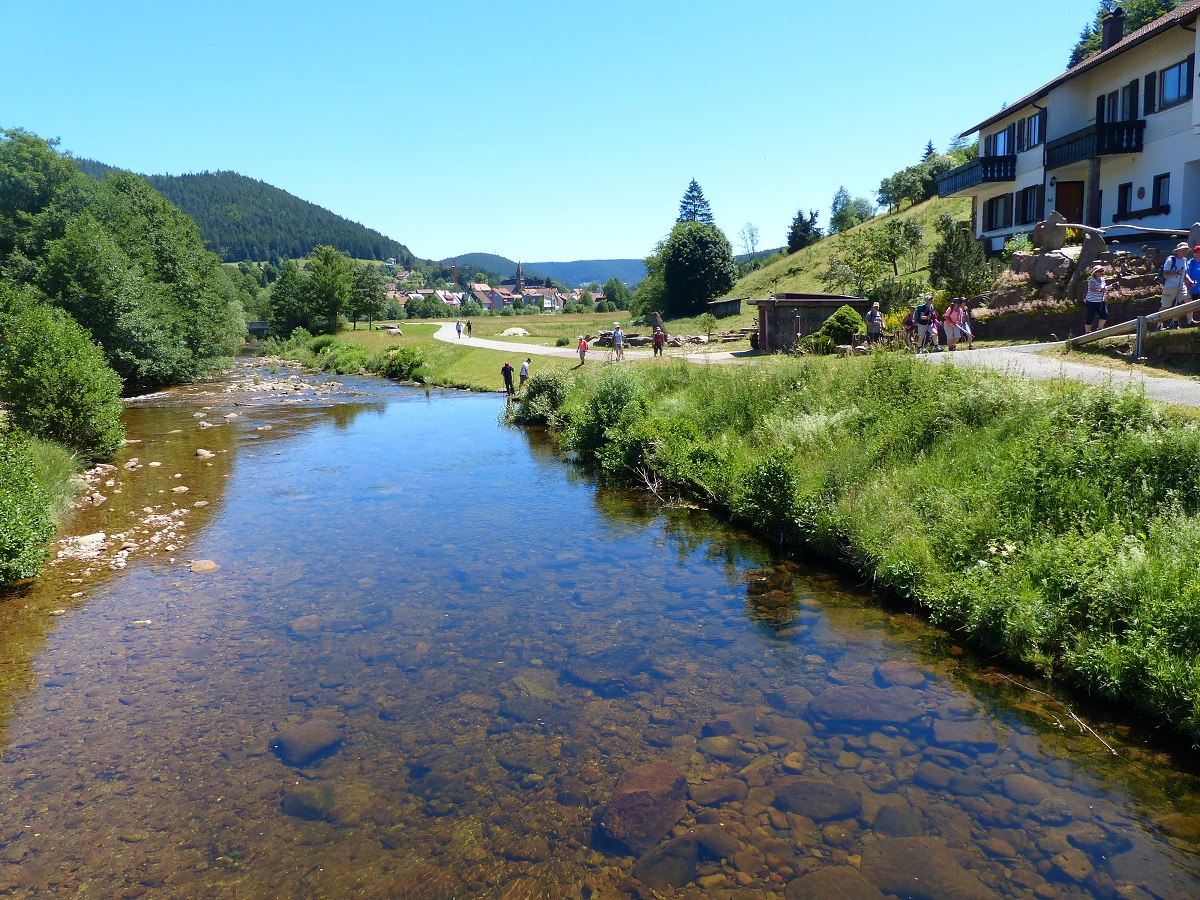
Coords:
241,218
583,271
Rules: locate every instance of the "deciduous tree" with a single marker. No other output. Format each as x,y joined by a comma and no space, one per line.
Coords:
368,296
329,286
697,265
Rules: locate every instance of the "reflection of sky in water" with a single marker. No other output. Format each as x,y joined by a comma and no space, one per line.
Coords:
494,647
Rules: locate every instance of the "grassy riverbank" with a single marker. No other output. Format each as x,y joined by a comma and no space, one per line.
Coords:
1055,524
38,481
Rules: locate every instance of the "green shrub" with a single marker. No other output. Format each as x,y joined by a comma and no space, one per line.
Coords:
26,523
319,343
843,325
400,363
544,396
1018,243
562,342
56,384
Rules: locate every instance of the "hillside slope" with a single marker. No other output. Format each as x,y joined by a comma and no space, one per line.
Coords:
581,271
798,272
244,219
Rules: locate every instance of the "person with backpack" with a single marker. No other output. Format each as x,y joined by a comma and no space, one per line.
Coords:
951,318
925,317
1175,283
874,321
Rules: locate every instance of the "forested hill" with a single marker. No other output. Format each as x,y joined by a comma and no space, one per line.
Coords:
244,219
582,271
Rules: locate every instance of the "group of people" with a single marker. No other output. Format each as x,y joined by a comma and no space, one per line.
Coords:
1181,284
506,372
923,327
458,327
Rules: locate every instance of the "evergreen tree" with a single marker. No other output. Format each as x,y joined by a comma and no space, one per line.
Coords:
959,264
930,150
804,231
693,207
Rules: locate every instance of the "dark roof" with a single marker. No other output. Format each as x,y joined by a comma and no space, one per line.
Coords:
1182,14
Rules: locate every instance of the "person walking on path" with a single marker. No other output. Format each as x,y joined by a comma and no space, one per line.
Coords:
1094,306
524,372
1175,281
458,328
923,318
953,331
468,328
1193,274
909,325
582,348
964,322
506,372
659,340
618,341
874,320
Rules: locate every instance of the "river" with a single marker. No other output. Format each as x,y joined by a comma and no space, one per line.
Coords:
427,649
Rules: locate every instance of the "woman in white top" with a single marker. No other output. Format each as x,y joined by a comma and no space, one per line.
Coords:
1095,308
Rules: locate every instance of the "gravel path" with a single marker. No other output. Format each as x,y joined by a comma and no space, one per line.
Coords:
1022,361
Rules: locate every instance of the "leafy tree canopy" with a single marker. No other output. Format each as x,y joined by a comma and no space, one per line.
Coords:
846,212
697,266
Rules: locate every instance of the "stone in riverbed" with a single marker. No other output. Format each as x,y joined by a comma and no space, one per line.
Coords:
818,800
306,626
977,734
832,883
205,454
1025,789
867,706
672,864
307,742
720,791
307,801
646,803
920,868
203,565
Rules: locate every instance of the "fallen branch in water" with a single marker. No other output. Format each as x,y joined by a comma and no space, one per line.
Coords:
1083,726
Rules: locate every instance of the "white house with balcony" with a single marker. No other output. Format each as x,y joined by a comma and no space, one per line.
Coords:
1113,140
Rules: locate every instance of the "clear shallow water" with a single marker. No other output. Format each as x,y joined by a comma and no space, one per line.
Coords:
494,642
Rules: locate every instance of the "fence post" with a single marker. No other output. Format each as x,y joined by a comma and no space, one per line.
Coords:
1138,356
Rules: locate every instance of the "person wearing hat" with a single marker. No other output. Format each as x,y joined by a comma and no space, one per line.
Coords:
951,319
964,323
923,318
874,320
582,348
659,339
618,340
1175,280
1094,307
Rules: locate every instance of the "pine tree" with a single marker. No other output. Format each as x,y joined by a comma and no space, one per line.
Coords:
693,207
930,150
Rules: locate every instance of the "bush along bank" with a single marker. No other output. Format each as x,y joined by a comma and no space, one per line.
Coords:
1056,524
326,353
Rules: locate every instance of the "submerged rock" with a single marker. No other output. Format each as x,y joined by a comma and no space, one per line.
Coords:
818,800
920,868
307,801
203,565
647,801
307,743
832,883
867,706
672,864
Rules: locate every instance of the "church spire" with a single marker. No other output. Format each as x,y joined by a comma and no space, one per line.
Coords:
520,279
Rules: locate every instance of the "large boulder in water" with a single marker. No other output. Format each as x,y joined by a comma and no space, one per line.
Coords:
863,706
307,743
920,868
816,799
646,803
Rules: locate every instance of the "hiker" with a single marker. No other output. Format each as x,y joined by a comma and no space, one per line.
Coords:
874,320
506,371
1095,309
618,340
468,327
1175,281
923,317
659,340
964,323
910,326
525,372
458,328
1193,272
582,348
951,318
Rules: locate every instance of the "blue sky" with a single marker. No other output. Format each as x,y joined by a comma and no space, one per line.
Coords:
537,130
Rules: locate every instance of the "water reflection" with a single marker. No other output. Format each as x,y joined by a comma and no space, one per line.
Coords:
429,654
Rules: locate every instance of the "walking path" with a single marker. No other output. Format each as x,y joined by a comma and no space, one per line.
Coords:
1024,361
446,332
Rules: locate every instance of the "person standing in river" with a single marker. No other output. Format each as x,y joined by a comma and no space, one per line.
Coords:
506,373
525,372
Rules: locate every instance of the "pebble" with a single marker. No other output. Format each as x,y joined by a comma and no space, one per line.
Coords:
205,454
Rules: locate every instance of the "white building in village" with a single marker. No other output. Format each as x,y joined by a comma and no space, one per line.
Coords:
1114,140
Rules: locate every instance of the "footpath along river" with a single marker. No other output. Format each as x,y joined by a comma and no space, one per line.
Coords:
430,648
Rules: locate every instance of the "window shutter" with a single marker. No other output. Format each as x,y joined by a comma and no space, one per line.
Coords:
989,145
1100,106
1150,93
1132,112
1012,139
1042,126
1020,135
1191,72
1008,211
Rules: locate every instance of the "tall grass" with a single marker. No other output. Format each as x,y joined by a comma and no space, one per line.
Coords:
1057,524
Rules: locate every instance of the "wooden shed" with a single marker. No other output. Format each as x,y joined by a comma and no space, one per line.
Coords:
785,317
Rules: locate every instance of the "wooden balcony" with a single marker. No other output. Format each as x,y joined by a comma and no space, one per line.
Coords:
980,170
1105,139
